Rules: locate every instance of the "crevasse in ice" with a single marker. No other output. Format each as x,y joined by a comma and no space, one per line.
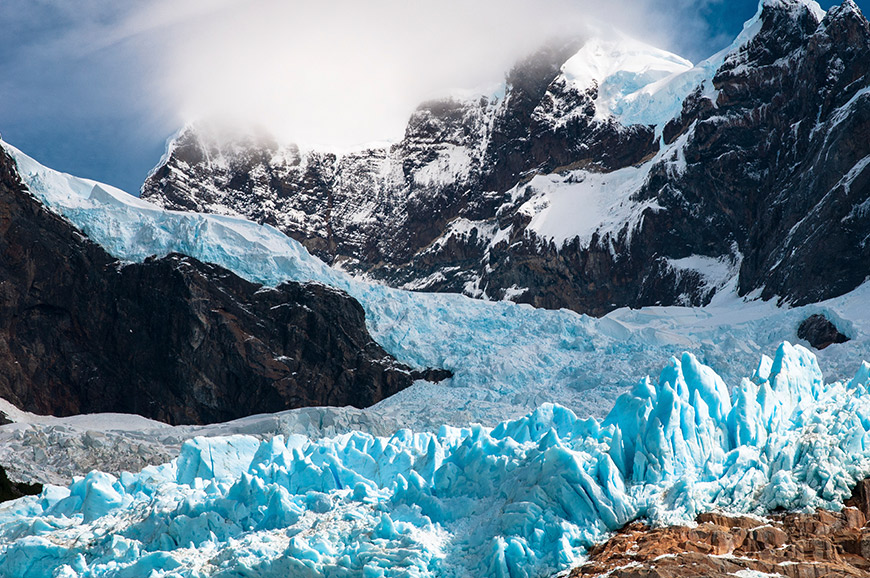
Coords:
522,499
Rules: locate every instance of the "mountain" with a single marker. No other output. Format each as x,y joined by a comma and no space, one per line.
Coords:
604,173
506,358
170,338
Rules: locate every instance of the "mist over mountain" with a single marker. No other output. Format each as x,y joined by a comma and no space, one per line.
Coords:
96,88
602,173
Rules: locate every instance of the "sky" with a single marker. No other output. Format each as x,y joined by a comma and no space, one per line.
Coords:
95,87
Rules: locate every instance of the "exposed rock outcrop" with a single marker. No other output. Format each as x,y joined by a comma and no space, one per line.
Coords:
172,338
820,332
823,544
10,490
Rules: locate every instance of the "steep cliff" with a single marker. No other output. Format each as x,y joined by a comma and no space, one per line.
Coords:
172,338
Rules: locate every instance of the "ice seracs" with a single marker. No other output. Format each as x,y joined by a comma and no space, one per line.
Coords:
525,498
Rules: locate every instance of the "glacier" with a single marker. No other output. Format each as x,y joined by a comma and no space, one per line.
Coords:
507,358
525,491
524,498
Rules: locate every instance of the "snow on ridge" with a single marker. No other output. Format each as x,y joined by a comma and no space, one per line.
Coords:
539,489
662,100
635,84
640,84
794,5
95,422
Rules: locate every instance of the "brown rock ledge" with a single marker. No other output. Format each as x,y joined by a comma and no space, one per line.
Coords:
818,545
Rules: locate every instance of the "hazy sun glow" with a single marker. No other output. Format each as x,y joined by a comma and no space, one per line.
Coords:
334,72
341,71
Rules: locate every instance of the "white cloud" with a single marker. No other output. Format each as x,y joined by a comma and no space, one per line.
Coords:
328,71
343,71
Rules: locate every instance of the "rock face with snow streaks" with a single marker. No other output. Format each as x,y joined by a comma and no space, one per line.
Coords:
776,159
421,213
171,338
606,173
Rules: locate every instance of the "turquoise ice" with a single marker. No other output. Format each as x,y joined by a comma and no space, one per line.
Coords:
525,498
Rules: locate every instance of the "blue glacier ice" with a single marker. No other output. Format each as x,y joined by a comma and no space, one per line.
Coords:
525,498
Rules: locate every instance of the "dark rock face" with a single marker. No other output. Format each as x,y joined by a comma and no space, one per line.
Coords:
778,165
820,332
767,174
172,339
10,490
860,498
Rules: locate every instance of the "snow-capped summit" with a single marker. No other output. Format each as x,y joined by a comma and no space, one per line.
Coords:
624,75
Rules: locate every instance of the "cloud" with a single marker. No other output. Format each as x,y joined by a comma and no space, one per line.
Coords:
327,71
344,71
341,71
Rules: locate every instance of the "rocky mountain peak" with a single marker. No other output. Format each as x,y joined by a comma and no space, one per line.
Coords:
784,26
574,189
